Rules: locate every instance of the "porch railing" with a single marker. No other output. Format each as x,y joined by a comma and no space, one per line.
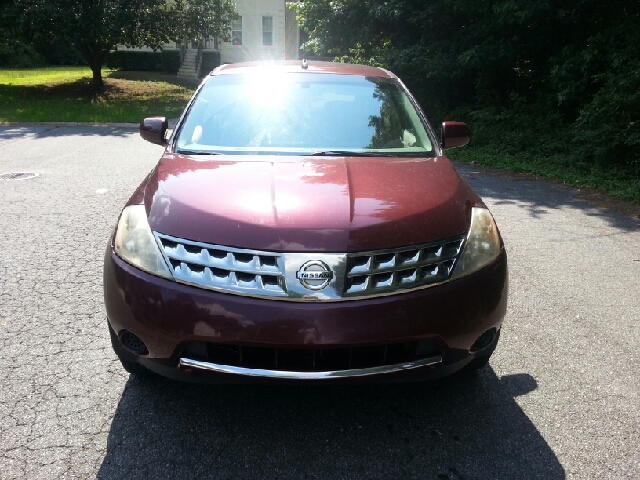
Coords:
183,50
199,59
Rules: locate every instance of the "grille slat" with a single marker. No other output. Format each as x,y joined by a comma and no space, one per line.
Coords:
403,268
225,268
219,259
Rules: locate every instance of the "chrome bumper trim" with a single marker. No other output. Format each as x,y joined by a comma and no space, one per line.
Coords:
363,372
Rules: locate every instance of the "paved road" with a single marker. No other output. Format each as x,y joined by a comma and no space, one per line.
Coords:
560,399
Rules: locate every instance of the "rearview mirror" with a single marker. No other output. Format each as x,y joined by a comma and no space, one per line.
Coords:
153,129
455,134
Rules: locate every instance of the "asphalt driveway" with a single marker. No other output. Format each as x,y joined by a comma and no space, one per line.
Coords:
561,397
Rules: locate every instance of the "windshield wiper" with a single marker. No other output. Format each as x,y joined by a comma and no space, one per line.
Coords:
196,152
343,153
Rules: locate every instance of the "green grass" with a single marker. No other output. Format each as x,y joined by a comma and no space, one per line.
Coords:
615,181
66,94
41,76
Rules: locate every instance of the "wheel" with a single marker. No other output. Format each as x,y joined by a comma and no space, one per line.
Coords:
477,363
134,368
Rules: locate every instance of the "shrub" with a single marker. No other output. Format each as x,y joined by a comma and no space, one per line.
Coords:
171,61
209,61
161,61
14,53
59,54
135,60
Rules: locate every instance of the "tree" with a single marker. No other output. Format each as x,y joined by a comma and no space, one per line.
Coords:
511,66
95,27
13,51
450,52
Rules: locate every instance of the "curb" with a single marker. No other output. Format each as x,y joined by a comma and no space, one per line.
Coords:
67,124
172,123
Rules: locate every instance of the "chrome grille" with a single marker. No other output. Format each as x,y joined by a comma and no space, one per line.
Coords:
275,275
222,268
403,268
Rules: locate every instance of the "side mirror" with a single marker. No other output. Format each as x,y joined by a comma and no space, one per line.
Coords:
455,134
153,129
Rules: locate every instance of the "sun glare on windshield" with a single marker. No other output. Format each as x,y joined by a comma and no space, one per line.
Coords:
269,88
273,112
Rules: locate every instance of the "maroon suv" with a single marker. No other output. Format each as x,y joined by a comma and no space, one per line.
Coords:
304,225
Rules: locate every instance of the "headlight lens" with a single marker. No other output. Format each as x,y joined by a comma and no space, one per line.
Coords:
135,243
482,246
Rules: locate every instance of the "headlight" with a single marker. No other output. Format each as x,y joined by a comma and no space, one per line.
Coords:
482,246
135,243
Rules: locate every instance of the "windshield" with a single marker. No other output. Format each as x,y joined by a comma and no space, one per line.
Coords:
303,114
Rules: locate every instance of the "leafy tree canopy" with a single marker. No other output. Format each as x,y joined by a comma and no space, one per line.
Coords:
13,51
576,61
96,27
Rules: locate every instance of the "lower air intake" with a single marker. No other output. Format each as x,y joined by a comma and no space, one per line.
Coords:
312,359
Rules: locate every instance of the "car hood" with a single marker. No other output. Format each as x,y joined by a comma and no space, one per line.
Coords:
299,204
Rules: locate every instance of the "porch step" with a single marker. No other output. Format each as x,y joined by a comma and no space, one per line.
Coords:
188,67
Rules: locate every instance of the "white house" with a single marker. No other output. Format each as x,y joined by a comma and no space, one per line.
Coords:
265,30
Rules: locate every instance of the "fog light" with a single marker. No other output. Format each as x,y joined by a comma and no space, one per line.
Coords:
484,340
133,343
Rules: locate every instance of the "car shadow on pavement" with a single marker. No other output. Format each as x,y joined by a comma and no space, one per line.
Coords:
467,426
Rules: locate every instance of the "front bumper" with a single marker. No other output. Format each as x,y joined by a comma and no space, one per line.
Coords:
167,316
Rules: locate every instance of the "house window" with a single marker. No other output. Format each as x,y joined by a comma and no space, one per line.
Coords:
236,32
267,30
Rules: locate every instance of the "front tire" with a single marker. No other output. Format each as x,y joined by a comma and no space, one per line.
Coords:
477,363
135,368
